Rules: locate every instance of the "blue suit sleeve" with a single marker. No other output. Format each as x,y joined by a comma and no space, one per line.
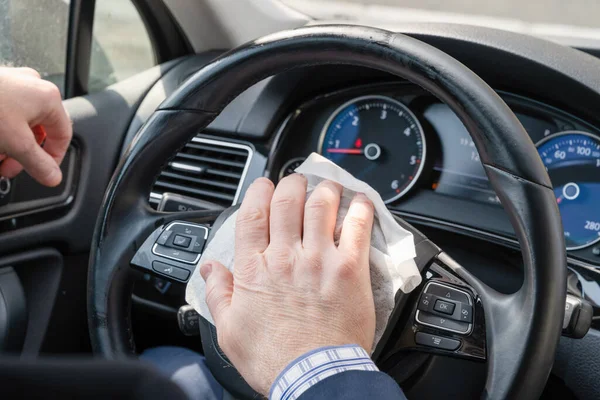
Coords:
355,385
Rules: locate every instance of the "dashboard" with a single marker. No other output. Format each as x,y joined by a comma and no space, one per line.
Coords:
420,158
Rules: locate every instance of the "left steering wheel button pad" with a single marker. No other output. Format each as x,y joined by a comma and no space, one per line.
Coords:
172,252
182,242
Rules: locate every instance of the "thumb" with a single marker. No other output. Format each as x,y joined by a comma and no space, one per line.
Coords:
219,288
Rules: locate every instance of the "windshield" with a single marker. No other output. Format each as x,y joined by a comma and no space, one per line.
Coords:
550,18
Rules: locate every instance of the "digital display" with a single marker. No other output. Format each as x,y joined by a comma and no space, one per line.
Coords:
461,173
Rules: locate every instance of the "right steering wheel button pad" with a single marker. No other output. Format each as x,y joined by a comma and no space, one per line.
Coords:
445,307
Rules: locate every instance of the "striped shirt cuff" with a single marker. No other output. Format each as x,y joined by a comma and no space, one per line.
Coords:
313,367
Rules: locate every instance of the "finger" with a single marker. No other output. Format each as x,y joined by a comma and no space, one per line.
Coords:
219,289
320,215
10,168
27,71
39,164
287,211
58,126
252,224
355,238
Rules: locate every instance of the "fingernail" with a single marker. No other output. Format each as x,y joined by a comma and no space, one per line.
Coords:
205,270
55,177
361,197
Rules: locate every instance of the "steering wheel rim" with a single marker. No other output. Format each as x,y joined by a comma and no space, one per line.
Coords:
509,157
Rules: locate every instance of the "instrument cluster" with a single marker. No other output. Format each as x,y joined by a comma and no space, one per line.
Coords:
404,142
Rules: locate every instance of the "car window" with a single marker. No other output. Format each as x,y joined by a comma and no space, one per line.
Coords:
33,33
121,45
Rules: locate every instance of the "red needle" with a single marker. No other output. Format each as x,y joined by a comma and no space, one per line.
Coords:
346,151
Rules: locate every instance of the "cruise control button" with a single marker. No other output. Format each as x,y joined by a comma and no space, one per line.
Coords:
444,307
182,241
466,313
442,323
439,342
176,254
447,293
170,270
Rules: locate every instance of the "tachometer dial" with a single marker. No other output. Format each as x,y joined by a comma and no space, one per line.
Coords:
378,140
572,160
290,166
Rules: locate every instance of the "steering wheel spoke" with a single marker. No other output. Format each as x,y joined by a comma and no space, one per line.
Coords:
444,316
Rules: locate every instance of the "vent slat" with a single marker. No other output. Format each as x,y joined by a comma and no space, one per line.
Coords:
226,174
204,169
212,160
200,192
200,181
222,150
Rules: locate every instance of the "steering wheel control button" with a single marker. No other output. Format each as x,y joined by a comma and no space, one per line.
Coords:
171,271
438,342
444,307
176,254
162,239
198,245
182,241
425,302
188,320
443,323
448,293
466,313
197,235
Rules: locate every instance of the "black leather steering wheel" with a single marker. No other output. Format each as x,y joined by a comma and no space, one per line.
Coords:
517,334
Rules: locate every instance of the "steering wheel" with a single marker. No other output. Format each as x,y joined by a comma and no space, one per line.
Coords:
516,334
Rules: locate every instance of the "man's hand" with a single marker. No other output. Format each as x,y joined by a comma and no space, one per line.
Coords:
26,101
293,290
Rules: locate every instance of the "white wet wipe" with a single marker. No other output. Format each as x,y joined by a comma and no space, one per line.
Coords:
390,258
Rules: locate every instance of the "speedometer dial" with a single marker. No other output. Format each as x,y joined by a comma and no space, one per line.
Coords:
573,163
378,140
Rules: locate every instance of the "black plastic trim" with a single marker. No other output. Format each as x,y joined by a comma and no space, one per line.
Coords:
79,47
16,210
167,37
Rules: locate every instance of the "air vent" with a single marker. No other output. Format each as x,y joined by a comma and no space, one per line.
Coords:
206,169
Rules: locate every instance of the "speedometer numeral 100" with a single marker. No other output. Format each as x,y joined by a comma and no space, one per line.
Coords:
572,160
378,140
584,151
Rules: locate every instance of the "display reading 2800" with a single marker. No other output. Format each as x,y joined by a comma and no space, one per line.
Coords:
378,140
573,162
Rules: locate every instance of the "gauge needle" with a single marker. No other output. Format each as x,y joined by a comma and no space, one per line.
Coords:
346,151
